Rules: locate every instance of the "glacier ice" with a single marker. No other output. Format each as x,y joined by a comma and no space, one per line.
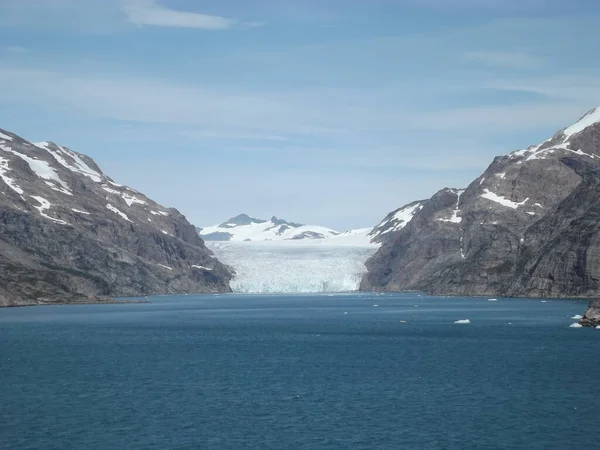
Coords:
294,266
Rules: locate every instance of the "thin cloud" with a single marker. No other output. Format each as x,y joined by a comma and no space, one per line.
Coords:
511,60
149,12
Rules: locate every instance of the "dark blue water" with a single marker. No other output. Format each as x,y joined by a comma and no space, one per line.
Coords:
296,372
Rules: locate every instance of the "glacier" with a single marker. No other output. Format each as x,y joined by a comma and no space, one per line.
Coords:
268,267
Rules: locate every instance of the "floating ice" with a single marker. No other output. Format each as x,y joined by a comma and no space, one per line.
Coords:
462,321
492,299
577,317
575,325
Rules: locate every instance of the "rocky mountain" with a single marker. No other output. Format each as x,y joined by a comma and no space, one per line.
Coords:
68,233
528,226
246,228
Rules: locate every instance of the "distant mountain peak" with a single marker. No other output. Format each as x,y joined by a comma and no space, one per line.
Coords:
246,228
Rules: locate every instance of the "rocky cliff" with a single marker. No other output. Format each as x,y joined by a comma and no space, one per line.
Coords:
528,226
68,233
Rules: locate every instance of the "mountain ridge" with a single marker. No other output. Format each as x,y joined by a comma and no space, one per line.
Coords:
70,233
514,231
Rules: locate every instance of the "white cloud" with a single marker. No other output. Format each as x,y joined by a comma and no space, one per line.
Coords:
149,12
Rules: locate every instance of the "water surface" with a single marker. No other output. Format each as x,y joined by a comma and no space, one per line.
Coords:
299,372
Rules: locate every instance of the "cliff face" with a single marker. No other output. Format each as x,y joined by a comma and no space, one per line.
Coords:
528,226
69,233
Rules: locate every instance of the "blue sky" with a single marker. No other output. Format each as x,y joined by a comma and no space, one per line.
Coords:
331,112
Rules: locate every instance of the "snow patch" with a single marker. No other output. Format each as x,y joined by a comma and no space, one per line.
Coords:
454,218
201,267
165,267
41,168
80,212
489,195
5,137
159,213
9,181
78,165
112,191
117,211
44,206
131,199
57,188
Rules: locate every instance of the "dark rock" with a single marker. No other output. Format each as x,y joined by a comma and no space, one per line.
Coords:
591,318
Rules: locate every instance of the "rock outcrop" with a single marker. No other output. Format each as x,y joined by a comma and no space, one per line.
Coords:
591,318
528,226
68,233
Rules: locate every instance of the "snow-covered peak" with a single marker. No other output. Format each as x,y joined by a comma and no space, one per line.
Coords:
246,228
590,118
396,220
561,142
69,188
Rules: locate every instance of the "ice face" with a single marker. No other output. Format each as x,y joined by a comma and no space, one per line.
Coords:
291,267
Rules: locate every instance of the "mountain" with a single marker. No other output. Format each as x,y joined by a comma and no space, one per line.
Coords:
71,234
395,221
246,228
528,226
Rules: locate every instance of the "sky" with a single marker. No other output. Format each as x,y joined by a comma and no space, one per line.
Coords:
328,112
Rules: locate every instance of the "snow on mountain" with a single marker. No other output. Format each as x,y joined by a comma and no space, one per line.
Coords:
508,232
70,233
277,256
395,221
282,257
246,228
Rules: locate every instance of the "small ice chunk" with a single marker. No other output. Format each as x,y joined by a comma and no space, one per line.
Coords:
492,299
462,321
575,325
577,317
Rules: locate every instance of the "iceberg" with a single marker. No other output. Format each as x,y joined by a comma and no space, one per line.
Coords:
575,325
577,317
462,321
